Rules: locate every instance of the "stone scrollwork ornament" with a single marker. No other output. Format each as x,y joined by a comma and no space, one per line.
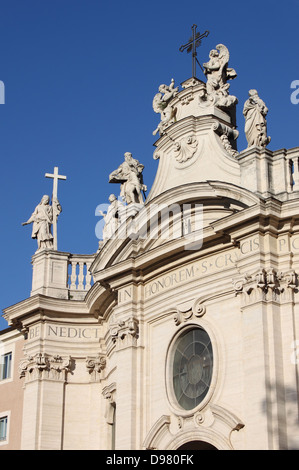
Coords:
185,149
125,332
43,365
161,105
198,308
182,314
227,136
95,365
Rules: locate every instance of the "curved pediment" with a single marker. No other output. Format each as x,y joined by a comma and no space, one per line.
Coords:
184,214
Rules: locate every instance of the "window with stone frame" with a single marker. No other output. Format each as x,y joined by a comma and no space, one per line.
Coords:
3,428
192,367
5,366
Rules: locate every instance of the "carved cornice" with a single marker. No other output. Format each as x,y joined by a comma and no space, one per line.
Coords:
45,366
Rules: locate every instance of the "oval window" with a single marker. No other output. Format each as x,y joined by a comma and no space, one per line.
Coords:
192,367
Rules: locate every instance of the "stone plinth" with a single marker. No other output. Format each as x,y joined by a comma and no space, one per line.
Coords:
61,275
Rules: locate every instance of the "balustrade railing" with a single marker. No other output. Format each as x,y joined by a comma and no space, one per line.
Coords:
80,279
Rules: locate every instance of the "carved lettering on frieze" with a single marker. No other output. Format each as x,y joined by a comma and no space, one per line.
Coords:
42,365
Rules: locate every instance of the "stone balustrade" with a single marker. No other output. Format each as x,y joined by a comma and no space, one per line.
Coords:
61,275
80,279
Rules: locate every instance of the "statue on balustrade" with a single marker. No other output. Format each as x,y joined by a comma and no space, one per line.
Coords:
129,175
42,220
255,112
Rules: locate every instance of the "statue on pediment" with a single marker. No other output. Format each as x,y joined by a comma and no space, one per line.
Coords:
42,220
218,73
129,175
112,218
161,104
255,112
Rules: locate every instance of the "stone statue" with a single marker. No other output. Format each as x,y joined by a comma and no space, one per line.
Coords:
42,219
255,112
129,174
218,73
161,104
112,217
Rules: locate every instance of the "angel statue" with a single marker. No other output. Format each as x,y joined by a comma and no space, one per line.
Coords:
218,73
129,174
161,105
42,220
255,112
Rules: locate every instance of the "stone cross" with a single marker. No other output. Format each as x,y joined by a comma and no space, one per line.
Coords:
192,44
55,176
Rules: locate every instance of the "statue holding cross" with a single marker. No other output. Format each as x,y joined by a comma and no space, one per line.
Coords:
46,215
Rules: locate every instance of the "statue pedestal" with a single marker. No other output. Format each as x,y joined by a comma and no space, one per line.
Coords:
50,274
129,211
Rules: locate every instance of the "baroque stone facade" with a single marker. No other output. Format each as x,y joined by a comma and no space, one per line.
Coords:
183,332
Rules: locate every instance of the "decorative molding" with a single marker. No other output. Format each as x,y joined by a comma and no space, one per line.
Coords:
45,366
157,432
181,314
95,366
266,285
226,134
214,425
185,149
125,333
109,393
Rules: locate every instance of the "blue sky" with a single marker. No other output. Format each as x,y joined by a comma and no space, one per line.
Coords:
80,77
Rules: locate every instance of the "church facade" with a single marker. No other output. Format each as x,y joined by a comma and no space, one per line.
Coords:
181,331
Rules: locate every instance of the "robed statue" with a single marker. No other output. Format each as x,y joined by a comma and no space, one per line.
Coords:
255,112
112,218
42,220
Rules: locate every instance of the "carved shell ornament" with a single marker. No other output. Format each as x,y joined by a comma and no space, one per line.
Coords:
185,149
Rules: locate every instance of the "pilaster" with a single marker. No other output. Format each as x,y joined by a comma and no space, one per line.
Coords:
45,378
123,342
270,379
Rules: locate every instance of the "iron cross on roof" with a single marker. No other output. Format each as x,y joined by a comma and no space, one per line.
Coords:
192,44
